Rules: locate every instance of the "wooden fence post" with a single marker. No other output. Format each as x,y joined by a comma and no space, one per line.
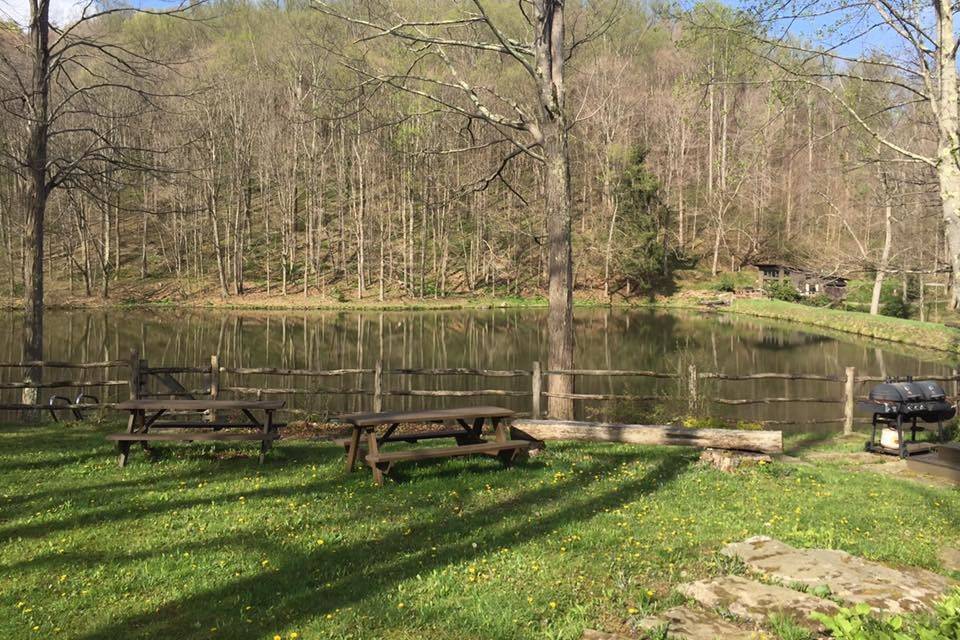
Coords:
955,387
536,380
693,391
134,374
214,384
378,387
848,400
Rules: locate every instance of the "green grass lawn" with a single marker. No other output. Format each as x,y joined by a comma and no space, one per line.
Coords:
929,335
204,543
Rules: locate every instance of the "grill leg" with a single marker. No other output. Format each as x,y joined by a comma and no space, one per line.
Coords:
903,443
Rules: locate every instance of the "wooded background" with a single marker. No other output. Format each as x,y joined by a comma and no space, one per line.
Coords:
261,155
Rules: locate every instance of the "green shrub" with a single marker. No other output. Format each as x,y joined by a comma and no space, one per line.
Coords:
948,616
819,300
726,282
732,281
857,624
782,290
896,308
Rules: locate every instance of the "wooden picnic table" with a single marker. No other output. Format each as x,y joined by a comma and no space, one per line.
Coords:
140,425
468,434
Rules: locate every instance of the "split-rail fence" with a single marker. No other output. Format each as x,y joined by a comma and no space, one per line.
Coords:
135,378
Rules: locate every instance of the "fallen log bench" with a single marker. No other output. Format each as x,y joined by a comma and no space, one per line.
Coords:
758,441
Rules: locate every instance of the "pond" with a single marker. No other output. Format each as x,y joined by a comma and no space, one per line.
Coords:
485,339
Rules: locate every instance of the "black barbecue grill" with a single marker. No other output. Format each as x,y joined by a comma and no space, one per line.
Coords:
896,403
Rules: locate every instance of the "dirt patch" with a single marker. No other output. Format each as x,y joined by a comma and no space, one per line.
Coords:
877,463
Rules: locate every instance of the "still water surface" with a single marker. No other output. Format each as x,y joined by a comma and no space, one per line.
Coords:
486,339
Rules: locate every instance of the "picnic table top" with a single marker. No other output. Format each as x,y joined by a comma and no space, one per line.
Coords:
428,415
197,405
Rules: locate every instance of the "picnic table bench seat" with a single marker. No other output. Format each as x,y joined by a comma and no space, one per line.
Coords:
142,428
469,437
410,438
189,437
510,448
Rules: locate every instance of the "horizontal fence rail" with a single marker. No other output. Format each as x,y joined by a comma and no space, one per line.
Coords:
144,381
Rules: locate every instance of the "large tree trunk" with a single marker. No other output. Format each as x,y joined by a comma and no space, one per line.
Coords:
884,259
949,179
549,54
948,172
35,194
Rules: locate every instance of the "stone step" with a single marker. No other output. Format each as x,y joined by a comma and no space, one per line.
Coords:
756,601
685,623
848,577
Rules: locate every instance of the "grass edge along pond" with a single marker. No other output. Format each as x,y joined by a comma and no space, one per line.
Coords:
929,335
204,543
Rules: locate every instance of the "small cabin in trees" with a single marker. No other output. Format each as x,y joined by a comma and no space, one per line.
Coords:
806,282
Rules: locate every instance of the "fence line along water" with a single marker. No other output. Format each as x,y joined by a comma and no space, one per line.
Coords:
143,381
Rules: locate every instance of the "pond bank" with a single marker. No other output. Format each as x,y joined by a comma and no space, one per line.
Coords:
927,335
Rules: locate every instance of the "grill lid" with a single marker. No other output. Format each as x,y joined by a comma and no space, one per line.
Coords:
923,399
897,392
931,390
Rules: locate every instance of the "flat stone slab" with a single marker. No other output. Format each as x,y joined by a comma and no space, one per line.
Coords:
695,624
950,559
756,601
848,577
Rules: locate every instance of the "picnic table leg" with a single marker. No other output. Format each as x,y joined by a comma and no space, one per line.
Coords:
500,433
145,428
353,449
124,445
267,431
373,449
472,434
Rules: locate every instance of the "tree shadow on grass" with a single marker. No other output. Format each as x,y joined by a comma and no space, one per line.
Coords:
440,468
233,469
308,584
807,441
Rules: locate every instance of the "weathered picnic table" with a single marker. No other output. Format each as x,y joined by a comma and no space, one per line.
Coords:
140,425
468,435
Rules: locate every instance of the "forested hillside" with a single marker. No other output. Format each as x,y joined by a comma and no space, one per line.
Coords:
264,148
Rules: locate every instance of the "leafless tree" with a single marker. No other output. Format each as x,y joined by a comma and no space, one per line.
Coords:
911,53
64,84
533,122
